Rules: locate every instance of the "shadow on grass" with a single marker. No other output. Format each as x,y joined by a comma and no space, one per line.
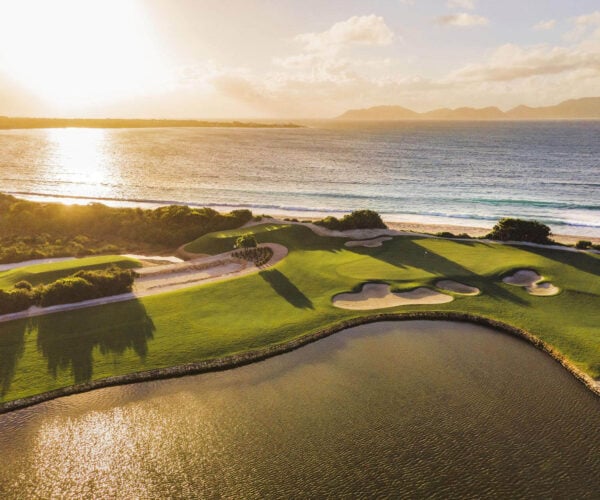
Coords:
12,346
407,252
286,289
68,341
579,260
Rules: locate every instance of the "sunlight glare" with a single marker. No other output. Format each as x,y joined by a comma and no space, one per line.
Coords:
79,161
76,53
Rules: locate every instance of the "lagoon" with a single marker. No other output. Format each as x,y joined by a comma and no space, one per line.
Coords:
416,408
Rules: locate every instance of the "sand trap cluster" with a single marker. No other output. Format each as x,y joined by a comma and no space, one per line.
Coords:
456,287
372,243
379,296
530,280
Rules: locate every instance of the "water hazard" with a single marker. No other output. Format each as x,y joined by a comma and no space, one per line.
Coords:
421,409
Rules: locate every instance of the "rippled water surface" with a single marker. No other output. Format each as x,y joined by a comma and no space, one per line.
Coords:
461,173
416,409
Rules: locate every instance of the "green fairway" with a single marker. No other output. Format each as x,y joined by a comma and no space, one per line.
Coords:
292,299
38,274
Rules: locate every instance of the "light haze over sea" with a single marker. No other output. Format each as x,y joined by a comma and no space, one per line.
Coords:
463,173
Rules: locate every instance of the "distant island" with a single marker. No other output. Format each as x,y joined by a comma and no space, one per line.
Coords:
573,109
25,123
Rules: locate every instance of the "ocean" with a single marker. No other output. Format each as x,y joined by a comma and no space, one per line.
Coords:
462,173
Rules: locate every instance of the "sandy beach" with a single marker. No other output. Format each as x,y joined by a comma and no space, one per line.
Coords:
418,227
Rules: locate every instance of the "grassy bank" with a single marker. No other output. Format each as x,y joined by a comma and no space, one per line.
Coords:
294,299
38,274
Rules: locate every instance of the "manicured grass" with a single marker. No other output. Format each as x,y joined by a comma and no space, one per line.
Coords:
46,273
293,298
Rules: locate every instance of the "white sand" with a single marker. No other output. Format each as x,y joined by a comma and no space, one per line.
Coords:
543,289
372,243
456,287
153,258
379,296
523,277
530,280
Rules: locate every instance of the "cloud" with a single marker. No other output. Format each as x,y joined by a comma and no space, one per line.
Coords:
511,62
358,30
544,25
582,25
461,4
463,20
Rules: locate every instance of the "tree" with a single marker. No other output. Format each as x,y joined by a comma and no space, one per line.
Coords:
359,219
246,241
583,244
532,231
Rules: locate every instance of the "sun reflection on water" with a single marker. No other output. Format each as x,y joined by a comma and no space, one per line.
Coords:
79,162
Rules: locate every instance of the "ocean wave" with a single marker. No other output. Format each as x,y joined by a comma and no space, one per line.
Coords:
286,208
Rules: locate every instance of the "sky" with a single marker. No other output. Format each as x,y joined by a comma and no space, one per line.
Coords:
290,58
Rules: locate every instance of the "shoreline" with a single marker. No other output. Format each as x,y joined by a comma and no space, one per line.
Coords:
411,224
246,358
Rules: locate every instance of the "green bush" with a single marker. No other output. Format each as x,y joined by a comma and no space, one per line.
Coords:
247,240
359,219
83,285
24,285
66,291
508,229
15,300
583,244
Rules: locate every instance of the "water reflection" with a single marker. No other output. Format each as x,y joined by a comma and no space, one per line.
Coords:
68,344
79,160
415,409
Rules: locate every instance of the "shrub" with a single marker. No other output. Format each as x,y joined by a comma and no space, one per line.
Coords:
66,291
15,300
445,234
359,219
112,281
508,229
24,285
247,240
583,244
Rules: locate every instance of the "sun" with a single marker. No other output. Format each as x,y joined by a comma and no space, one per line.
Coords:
74,53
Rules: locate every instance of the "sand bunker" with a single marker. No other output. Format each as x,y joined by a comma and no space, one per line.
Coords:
372,243
530,280
379,296
456,287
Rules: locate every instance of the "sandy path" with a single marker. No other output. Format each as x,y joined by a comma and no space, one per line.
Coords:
372,243
379,296
155,282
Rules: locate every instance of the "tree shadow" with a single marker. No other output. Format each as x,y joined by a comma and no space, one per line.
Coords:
68,341
12,346
408,253
286,289
579,260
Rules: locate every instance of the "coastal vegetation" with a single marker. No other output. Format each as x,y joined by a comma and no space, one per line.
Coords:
30,230
359,219
83,285
508,229
293,299
27,123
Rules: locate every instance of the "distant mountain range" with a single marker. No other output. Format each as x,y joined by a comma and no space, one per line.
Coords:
573,109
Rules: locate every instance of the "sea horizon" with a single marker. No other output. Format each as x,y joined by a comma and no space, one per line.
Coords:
467,174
